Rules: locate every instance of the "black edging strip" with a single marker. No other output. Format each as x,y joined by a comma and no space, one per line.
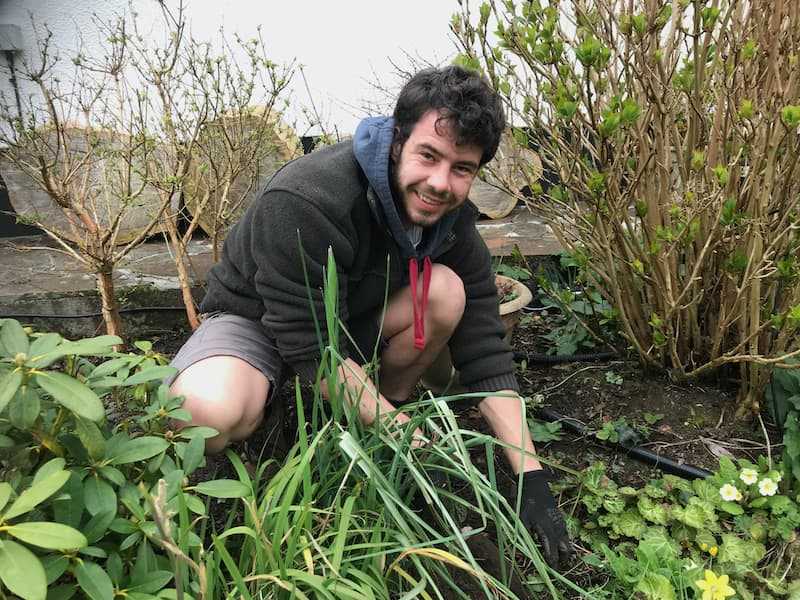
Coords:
667,465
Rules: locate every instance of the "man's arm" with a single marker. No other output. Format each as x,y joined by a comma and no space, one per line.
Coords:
506,418
538,510
371,403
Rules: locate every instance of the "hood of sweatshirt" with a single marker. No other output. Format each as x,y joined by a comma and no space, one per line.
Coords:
372,145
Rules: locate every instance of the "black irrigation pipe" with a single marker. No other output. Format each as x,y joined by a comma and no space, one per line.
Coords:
135,309
643,454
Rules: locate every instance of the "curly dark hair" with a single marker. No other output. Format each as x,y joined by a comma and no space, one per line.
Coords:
469,106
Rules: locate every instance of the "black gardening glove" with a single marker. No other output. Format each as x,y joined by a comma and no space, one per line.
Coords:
539,513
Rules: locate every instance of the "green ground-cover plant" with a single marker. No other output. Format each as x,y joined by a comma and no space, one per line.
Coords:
671,128
659,540
101,507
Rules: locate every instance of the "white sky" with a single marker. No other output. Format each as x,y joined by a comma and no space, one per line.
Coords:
341,44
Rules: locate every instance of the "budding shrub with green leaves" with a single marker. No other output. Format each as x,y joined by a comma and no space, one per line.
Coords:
673,129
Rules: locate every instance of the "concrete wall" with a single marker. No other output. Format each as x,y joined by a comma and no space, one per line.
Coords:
66,19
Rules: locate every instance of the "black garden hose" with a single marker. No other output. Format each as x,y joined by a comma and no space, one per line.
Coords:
667,465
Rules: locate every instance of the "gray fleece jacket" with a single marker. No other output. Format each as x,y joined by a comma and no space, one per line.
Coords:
340,197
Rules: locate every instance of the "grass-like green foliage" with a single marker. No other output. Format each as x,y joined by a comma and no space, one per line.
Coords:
658,540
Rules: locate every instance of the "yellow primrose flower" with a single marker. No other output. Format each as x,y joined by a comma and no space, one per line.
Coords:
729,492
713,587
713,550
767,487
703,546
749,476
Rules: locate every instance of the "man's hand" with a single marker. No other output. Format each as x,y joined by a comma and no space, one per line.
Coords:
539,513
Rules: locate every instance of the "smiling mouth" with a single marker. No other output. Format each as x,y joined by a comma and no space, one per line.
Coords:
429,200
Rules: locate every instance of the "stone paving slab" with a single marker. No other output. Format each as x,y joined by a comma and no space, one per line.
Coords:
36,265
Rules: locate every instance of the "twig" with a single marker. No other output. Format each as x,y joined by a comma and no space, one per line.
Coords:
766,440
559,384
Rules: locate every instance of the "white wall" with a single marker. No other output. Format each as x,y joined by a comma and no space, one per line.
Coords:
343,45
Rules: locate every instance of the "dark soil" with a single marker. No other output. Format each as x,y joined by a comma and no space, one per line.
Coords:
695,423
690,423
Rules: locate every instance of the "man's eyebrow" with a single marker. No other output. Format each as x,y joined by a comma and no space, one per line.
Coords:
464,163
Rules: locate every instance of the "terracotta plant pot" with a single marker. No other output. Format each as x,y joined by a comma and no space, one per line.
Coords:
511,310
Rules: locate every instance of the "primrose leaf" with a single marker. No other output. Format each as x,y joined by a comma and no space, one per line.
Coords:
655,586
741,552
652,511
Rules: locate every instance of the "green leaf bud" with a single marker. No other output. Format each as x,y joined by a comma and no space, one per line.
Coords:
609,124
709,16
597,183
791,115
641,208
746,109
639,23
749,49
566,109
698,160
630,112
588,51
663,16
485,10
722,175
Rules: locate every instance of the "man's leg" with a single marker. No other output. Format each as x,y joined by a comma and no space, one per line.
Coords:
226,371
226,393
402,364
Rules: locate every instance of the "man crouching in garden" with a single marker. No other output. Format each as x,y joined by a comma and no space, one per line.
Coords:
398,190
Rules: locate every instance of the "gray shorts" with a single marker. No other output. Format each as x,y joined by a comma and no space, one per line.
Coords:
225,334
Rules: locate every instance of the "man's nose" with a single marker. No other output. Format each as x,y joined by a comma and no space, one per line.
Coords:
439,179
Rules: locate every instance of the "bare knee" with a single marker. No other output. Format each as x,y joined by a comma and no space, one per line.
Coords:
446,298
225,393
